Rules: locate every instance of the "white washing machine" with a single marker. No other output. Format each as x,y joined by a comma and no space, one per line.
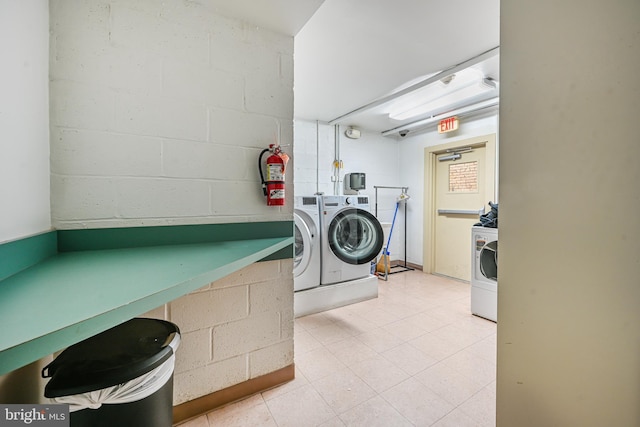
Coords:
484,275
306,261
351,238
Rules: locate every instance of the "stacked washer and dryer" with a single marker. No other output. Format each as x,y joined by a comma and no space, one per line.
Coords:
484,274
336,237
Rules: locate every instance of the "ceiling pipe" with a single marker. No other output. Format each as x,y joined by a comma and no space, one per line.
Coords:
436,77
470,109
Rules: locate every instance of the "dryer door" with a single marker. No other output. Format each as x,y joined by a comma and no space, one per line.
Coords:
489,260
355,236
302,246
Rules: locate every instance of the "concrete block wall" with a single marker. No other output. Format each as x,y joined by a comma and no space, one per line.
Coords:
373,154
159,111
314,150
230,330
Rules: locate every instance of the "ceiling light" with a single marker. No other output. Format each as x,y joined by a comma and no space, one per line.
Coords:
449,91
404,129
401,92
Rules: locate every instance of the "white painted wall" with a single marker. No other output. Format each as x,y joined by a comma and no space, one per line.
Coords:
313,155
568,347
24,119
159,111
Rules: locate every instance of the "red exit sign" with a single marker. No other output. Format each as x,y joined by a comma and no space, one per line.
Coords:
448,125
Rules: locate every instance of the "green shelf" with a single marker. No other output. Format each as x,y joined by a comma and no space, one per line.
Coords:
70,296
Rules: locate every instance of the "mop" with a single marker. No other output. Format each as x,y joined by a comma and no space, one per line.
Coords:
383,265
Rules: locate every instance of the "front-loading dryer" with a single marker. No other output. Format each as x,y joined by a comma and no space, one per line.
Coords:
351,238
484,274
306,261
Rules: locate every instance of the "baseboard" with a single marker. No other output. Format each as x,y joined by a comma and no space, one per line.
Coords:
204,404
399,262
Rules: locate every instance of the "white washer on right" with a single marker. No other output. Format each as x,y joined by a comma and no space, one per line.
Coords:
484,275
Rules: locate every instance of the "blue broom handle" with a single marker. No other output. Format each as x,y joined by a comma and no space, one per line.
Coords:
391,231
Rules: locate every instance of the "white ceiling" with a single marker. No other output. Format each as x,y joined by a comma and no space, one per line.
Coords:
351,52
282,16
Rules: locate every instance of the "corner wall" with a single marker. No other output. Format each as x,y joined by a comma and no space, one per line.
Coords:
159,111
568,347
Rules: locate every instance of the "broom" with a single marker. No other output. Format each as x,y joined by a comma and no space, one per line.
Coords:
383,264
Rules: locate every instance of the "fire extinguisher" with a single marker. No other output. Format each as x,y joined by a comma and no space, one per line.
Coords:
273,187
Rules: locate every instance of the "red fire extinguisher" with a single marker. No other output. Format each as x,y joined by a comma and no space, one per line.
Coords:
273,187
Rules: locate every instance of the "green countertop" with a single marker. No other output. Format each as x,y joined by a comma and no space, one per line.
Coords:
73,295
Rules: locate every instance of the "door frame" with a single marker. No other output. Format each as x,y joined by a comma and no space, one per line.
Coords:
430,161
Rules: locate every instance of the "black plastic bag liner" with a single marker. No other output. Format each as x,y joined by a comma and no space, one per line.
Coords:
123,364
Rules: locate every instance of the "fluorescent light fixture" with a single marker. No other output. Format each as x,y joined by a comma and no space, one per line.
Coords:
449,92
401,92
403,130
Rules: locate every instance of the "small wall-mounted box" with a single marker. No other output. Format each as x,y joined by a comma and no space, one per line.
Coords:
354,182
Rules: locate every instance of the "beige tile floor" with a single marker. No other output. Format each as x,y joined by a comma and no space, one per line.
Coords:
414,356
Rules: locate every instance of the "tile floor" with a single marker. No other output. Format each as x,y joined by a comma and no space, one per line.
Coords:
414,356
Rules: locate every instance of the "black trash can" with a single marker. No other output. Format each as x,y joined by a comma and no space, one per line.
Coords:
120,377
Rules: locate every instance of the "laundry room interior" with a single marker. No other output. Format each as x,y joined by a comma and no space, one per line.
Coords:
303,198
404,139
